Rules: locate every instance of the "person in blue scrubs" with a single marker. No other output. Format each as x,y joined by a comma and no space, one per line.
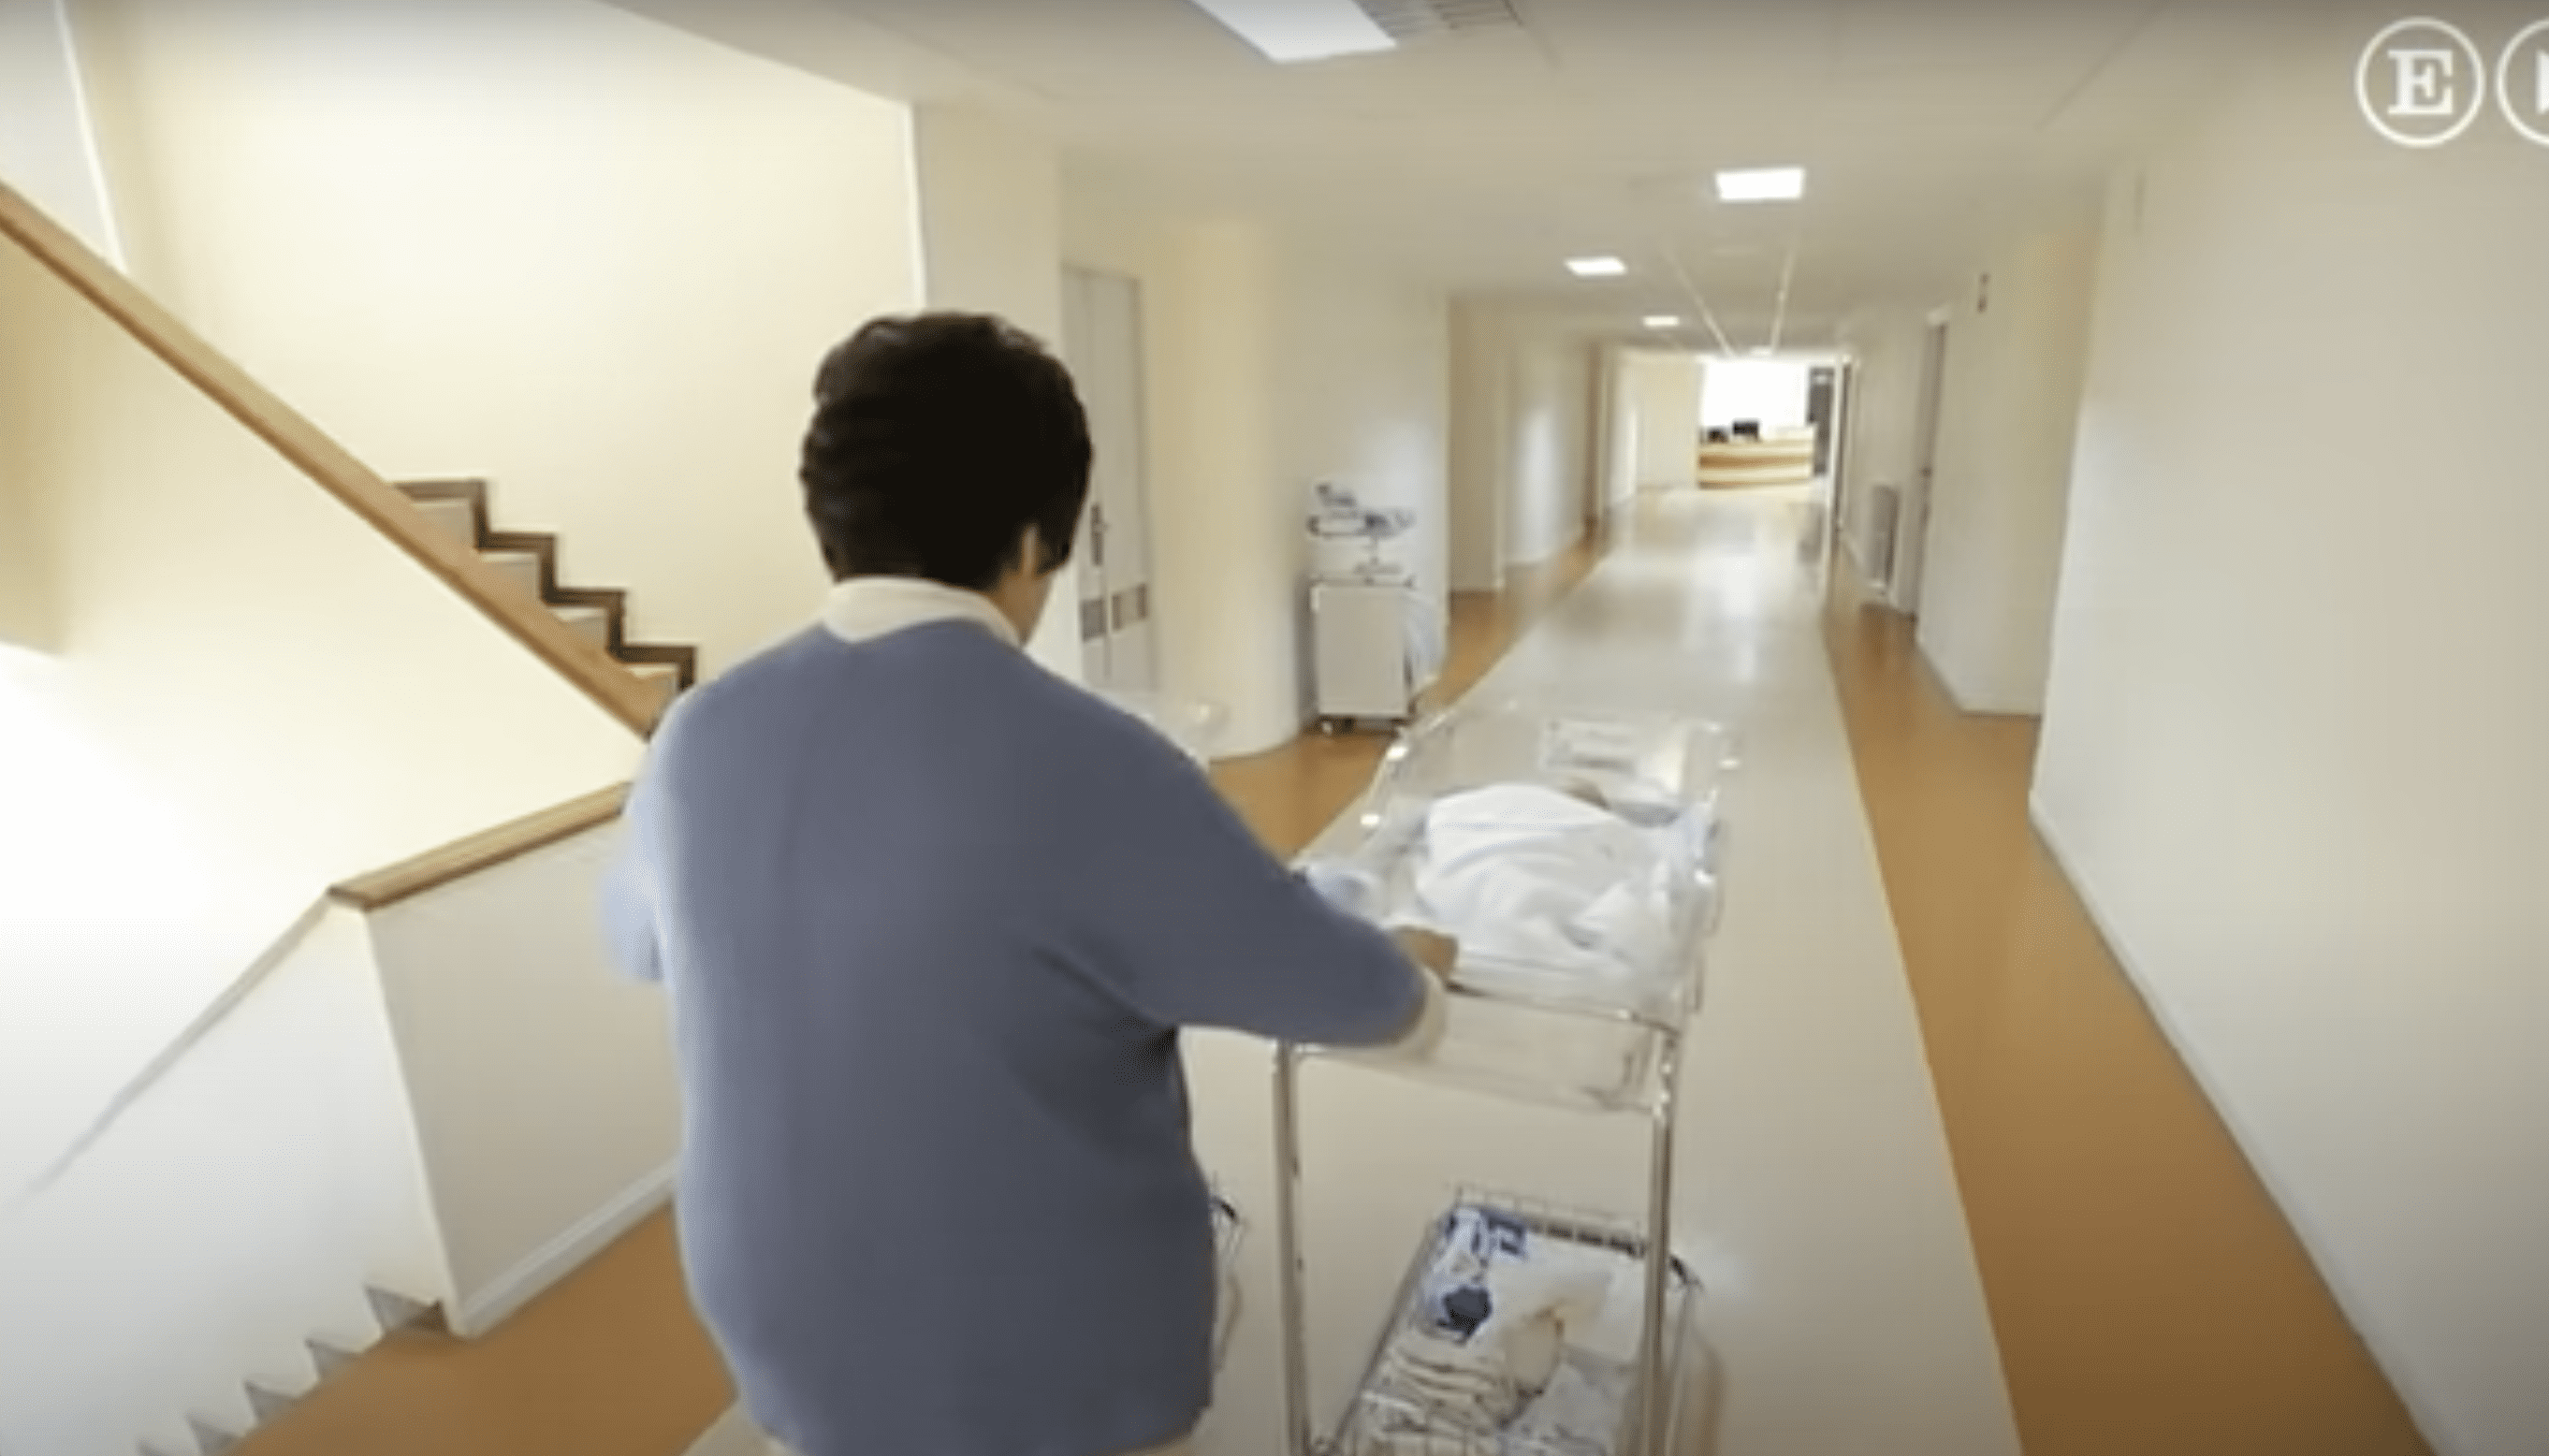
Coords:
930,920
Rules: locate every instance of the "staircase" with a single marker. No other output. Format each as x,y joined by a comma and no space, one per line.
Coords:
459,508
269,1398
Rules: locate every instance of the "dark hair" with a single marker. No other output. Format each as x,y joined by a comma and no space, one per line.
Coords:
938,438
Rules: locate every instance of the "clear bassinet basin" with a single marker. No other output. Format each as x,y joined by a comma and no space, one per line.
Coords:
1572,856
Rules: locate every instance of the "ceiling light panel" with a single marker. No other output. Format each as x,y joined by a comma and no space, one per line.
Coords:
1596,267
1762,184
1410,21
1664,321
1289,32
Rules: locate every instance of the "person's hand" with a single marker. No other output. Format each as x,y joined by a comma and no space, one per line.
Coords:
1438,954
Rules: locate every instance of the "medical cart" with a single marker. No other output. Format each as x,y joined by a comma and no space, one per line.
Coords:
1523,1032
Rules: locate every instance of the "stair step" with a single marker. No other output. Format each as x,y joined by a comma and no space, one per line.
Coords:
524,559
268,1399
397,1312
454,518
210,1439
330,1358
663,677
592,621
522,568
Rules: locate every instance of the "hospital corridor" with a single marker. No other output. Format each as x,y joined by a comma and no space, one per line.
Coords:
1900,623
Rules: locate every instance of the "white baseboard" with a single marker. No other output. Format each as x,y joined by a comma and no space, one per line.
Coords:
1965,698
2420,1409
505,1296
1957,697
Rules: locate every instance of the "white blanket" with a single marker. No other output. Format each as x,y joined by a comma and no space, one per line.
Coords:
1522,873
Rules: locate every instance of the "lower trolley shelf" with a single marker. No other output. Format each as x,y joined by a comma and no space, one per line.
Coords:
1516,1332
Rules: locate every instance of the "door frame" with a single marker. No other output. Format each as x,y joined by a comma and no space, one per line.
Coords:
1103,589
1845,426
1904,578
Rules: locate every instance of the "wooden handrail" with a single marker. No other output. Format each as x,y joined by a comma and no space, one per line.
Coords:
327,464
462,858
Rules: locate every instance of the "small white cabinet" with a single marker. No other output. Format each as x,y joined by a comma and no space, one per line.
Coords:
1359,633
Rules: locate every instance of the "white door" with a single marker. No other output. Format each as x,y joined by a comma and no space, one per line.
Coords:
1912,524
1101,341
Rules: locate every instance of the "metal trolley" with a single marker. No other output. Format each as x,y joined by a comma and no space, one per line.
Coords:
1516,1030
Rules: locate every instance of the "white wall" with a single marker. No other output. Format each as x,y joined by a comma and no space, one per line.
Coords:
1270,366
26,618
545,1105
240,1207
1364,385
1549,449
255,695
1223,521
1523,439
2292,752
47,150
1770,391
1482,406
1614,428
1364,388
1666,391
991,238
1992,560
590,256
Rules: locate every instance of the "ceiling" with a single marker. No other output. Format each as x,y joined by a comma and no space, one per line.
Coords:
1477,162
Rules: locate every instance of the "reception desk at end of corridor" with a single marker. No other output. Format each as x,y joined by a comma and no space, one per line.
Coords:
1779,458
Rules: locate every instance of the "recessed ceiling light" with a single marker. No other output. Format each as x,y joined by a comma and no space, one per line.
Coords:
1762,184
1291,31
1664,321
1762,353
1596,267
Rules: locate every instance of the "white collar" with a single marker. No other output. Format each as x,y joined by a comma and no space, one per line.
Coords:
866,607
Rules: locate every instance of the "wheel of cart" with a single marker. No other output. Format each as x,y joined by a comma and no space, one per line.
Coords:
1543,1033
